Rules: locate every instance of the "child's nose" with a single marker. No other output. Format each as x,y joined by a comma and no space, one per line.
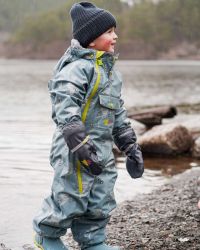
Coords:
115,36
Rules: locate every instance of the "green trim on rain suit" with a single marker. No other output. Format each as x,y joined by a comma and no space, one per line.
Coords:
79,200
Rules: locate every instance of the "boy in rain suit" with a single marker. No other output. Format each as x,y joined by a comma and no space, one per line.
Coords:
89,115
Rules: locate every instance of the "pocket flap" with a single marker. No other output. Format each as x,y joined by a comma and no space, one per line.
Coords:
109,101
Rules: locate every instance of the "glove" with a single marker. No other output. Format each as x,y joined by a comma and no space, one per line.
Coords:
125,140
80,144
134,162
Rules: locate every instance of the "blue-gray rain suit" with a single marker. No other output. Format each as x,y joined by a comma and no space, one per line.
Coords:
85,87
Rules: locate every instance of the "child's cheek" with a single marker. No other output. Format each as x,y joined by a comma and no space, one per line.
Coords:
107,44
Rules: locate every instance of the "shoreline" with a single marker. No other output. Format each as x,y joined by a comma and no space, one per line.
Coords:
167,218
129,51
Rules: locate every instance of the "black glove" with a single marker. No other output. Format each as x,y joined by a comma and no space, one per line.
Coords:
80,144
134,161
125,140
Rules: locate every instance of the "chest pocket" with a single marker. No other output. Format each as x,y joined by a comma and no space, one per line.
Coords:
106,111
109,102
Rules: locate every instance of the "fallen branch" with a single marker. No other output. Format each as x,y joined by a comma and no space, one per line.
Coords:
153,116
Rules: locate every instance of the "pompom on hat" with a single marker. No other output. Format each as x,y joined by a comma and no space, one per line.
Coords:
89,22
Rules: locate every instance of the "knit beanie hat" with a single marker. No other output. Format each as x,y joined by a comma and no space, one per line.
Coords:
89,22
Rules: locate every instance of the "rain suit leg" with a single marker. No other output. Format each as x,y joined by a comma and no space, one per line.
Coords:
86,213
89,229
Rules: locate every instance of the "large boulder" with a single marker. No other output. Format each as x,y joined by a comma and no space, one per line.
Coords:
168,139
196,148
191,122
193,125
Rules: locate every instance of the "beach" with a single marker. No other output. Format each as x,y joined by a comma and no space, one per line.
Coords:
168,218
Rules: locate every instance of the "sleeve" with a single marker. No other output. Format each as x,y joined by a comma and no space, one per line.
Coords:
122,121
123,134
68,90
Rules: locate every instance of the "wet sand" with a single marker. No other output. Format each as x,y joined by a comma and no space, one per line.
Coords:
167,218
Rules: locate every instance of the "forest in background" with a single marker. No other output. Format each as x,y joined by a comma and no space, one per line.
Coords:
147,30
13,13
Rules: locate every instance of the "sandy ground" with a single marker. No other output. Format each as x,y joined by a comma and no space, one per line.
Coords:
167,218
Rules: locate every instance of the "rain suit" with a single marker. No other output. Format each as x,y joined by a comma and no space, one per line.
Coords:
85,87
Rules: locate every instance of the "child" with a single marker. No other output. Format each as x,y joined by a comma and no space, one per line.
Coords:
89,114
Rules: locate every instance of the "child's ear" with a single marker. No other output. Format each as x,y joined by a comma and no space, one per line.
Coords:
92,44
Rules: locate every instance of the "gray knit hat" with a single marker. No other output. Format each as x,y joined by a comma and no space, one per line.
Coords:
89,22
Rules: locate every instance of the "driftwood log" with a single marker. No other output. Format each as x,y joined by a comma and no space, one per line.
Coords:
153,116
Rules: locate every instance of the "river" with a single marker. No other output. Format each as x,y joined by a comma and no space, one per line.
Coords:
26,131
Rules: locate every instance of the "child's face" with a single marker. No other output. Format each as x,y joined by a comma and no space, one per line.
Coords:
105,42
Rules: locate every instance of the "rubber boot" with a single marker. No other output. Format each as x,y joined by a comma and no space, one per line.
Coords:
44,243
102,246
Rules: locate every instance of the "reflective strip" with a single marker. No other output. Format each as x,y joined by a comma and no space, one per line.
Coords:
86,108
79,176
80,144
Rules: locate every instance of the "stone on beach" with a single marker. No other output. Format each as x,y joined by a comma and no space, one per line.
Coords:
198,204
193,125
196,148
169,139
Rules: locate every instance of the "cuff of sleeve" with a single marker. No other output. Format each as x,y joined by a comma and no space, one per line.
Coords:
80,144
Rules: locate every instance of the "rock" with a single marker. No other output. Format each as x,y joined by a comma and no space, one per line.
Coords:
198,204
193,125
166,139
196,148
183,239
